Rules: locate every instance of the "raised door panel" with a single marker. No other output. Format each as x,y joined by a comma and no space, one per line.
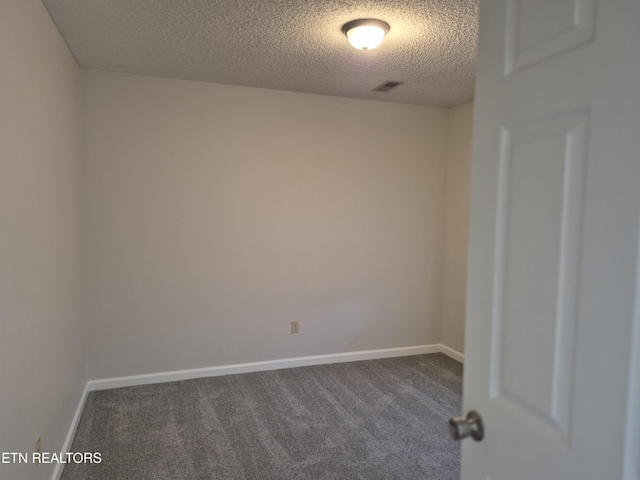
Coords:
541,181
540,29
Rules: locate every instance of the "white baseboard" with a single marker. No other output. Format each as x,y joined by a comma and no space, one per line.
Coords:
450,352
178,375
68,441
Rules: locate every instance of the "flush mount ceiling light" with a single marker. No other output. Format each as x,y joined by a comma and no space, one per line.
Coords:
366,33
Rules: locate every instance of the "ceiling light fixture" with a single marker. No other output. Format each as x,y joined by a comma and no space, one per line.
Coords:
365,33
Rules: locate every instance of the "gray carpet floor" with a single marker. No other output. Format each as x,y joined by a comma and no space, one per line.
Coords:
376,419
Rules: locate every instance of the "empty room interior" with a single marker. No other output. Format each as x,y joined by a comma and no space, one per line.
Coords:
165,228
214,220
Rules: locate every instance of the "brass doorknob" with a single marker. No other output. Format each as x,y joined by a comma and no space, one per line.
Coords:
471,426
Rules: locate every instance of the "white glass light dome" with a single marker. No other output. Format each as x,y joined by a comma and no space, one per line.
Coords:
365,34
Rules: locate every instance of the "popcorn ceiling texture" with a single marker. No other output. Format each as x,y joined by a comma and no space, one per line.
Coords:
294,45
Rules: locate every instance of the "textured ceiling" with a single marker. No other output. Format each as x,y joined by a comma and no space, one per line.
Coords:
294,45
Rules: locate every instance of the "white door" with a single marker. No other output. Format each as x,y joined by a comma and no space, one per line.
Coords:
553,259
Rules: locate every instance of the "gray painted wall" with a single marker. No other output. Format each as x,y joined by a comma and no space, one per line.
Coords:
218,214
42,330
456,225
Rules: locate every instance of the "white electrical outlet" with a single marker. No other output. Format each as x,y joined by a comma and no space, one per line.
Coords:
295,326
